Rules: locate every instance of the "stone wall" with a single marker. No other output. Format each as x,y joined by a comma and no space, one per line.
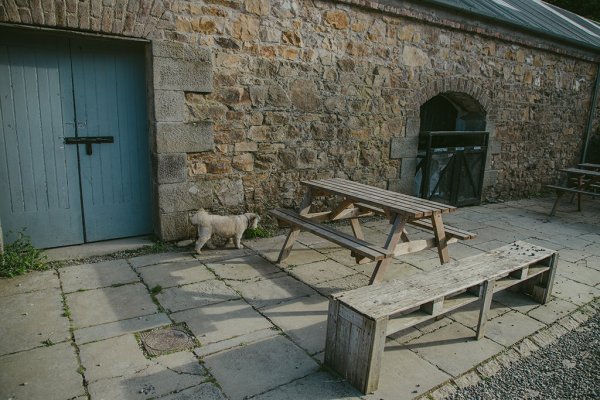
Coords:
251,97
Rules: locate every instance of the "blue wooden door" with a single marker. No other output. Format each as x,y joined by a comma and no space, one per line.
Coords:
39,181
110,100
52,88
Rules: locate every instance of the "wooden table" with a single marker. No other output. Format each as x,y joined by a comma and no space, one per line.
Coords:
579,181
360,200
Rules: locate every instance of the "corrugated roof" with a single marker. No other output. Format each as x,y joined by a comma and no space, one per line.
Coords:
534,16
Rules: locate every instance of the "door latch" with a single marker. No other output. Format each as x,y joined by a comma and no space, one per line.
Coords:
89,140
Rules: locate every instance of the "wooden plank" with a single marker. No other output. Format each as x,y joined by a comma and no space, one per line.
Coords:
450,230
418,245
294,232
440,236
580,171
486,301
390,244
571,190
359,246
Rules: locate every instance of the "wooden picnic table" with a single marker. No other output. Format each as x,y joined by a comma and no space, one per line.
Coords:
593,167
579,181
359,200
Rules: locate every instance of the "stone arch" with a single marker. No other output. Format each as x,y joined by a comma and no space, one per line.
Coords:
467,95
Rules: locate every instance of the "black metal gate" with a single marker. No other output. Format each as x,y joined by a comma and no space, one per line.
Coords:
452,166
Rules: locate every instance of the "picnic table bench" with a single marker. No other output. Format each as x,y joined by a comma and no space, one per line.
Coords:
359,320
361,200
579,181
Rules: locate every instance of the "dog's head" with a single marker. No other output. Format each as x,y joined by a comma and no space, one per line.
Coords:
252,220
195,219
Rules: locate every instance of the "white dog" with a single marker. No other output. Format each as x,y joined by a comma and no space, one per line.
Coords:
227,227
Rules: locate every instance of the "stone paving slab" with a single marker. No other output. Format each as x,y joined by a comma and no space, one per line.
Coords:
237,341
28,319
454,349
342,284
552,311
29,283
44,373
404,375
469,314
118,328
165,374
152,259
321,271
258,367
243,268
271,291
99,306
304,320
98,275
572,291
578,272
271,247
316,386
206,391
222,321
511,327
195,295
175,274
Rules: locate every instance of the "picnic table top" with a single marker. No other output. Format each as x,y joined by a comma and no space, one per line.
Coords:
581,171
589,165
409,206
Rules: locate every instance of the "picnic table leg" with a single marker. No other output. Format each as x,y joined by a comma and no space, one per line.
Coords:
390,245
440,237
486,301
558,196
295,231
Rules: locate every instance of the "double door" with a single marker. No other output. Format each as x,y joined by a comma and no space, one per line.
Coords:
74,147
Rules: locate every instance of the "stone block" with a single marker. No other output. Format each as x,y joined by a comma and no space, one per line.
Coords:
490,178
192,76
171,168
186,196
404,147
169,106
409,167
413,126
181,51
184,138
174,226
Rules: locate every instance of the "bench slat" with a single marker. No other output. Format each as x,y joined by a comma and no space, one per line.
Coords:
378,301
359,246
573,190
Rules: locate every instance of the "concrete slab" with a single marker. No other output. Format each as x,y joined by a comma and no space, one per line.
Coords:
316,386
304,320
469,315
574,292
98,275
511,327
36,280
175,274
222,321
99,306
113,357
404,375
321,271
267,292
166,374
151,259
552,311
342,284
454,349
113,329
256,368
237,341
195,295
579,273
243,268
206,391
97,248
44,373
28,319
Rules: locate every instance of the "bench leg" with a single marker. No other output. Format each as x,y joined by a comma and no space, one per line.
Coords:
294,232
354,346
390,245
486,301
558,196
440,237
542,290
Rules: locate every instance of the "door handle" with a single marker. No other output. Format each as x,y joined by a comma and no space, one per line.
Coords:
88,141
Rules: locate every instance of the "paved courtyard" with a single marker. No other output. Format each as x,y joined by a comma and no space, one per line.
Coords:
74,333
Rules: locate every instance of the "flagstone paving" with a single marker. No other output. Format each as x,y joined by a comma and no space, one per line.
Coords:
260,327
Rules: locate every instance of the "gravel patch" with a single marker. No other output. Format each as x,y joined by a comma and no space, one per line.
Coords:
567,369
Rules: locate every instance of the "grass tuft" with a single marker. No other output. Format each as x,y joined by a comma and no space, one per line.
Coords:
20,257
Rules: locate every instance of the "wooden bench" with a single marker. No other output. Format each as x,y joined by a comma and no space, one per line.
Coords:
358,246
359,320
560,190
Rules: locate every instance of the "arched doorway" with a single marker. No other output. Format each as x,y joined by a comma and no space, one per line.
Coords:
452,149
